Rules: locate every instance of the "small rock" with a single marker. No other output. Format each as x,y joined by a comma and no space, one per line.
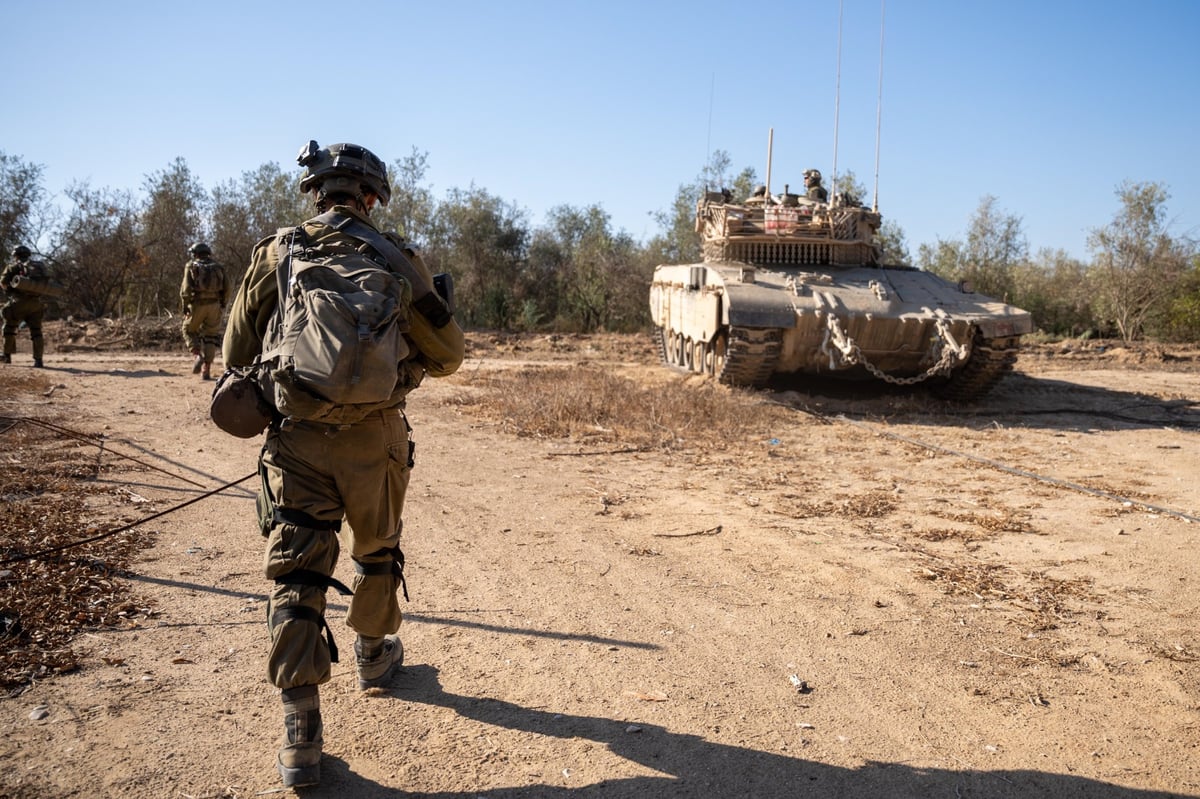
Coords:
40,712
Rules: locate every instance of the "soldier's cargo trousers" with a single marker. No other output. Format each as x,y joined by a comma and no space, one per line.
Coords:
27,309
202,329
316,474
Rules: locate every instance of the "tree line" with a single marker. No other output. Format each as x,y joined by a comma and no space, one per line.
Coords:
120,253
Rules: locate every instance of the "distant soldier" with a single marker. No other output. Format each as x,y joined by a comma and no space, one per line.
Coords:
812,182
202,296
23,305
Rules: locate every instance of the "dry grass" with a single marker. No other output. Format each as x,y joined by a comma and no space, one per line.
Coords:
873,504
1048,600
46,600
591,405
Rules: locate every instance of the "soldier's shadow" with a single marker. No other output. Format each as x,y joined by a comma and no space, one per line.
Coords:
687,765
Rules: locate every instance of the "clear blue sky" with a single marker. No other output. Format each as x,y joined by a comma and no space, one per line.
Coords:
1047,105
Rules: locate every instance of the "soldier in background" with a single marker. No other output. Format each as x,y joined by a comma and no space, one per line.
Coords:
202,297
22,304
812,182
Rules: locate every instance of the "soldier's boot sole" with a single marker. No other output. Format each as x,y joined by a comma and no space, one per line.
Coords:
303,766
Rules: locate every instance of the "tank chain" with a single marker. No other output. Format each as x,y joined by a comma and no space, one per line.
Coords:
990,360
945,350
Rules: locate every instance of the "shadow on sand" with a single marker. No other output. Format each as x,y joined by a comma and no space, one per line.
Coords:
690,766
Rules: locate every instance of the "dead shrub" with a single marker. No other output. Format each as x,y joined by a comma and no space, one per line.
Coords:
590,404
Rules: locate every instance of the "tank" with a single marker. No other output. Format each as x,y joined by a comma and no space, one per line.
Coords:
794,285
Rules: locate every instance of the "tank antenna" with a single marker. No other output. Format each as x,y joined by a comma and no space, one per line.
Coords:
879,106
770,147
837,99
708,142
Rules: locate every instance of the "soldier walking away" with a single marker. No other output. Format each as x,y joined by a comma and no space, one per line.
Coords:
23,304
812,182
202,296
315,474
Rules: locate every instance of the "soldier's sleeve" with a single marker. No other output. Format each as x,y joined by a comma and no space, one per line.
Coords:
253,306
185,288
441,349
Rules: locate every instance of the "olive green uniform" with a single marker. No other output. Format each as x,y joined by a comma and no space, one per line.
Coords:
203,295
317,474
23,307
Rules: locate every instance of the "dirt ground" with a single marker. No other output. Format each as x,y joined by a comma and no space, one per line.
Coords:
876,597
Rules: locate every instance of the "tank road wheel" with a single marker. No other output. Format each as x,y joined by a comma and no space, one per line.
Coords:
689,355
674,346
700,358
714,356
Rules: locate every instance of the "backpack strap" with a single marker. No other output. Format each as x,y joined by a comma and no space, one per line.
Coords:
283,276
425,299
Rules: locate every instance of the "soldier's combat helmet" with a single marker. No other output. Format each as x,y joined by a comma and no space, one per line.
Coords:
200,249
21,252
343,167
812,176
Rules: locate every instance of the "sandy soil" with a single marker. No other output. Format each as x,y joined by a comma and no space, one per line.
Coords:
879,598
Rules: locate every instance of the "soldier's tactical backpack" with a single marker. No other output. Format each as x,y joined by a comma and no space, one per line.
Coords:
207,278
332,354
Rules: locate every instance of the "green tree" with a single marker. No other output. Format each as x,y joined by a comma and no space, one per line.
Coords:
1183,315
22,203
1052,287
995,245
172,221
246,211
1138,266
410,211
944,258
891,240
481,240
585,276
679,242
99,250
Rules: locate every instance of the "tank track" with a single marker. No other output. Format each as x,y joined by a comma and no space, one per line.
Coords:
750,356
989,361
